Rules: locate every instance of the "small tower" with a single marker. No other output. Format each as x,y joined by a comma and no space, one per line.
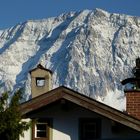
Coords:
132,90
41,80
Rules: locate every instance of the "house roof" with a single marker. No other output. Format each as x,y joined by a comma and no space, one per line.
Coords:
81,100
39,66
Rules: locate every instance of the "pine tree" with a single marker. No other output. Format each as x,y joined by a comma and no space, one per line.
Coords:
11,124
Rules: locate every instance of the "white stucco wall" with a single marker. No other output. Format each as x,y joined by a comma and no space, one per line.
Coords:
27,134
66,123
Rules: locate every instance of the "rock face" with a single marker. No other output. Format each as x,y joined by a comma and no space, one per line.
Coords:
88,51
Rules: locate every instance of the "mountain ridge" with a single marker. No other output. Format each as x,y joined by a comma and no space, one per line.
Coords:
90,51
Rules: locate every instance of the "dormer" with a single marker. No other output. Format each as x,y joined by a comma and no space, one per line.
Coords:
41,80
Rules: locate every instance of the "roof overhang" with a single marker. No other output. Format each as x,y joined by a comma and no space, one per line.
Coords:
39,66
81,100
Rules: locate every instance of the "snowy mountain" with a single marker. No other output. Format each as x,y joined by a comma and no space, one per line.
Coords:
88,51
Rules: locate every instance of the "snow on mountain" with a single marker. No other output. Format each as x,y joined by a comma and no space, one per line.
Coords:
88,51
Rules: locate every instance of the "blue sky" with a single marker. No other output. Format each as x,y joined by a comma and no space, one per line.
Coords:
15,11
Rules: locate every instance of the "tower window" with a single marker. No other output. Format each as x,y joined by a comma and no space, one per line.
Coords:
40,81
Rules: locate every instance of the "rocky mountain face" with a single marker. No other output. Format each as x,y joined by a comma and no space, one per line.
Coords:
88,51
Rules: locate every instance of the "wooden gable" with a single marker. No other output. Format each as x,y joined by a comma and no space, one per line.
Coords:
81,100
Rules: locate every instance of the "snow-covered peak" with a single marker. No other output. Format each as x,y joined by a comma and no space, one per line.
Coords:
90,51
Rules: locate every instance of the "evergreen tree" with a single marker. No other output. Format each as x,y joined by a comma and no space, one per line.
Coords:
11,124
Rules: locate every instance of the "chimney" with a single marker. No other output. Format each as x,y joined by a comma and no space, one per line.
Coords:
133,103
41,80
132,91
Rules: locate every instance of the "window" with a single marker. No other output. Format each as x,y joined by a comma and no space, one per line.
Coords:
40,81
89,129
41,130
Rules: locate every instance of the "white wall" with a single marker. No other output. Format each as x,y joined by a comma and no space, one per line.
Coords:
65,123
27,134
